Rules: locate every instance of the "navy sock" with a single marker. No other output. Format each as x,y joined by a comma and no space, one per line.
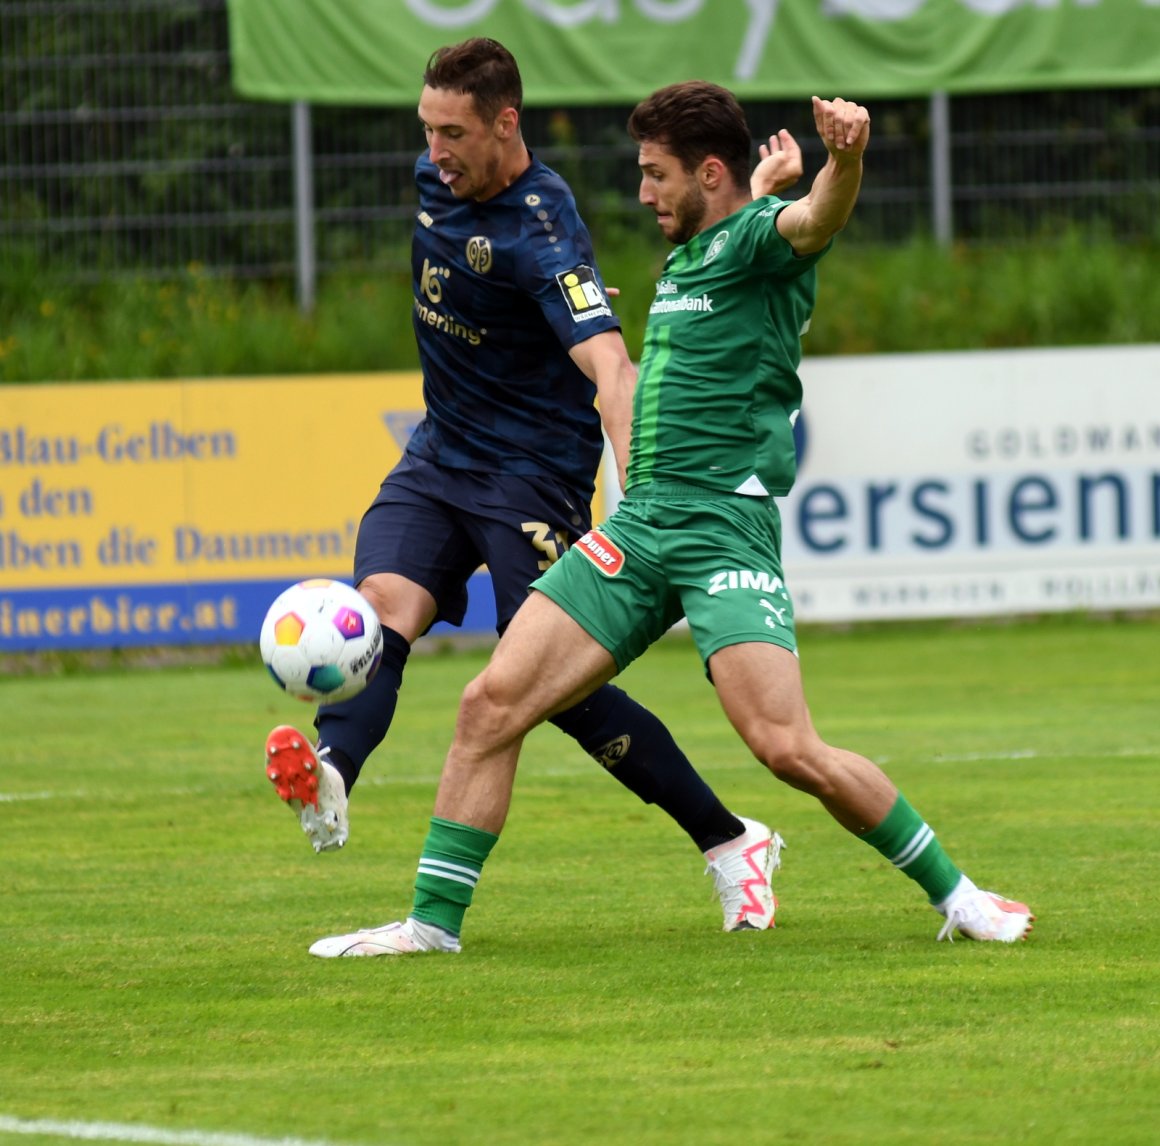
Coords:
353,729
631,744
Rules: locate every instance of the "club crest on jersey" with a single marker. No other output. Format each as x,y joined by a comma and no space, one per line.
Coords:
478,253
583,294
715,247
604,554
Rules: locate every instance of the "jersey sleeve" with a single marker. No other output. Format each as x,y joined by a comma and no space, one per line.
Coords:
766,245
557,267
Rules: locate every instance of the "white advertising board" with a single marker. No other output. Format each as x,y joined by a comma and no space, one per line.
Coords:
991,482
975,484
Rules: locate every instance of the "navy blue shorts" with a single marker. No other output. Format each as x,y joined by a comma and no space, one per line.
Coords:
436,526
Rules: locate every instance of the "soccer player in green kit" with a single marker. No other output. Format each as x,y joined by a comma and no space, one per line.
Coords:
698,533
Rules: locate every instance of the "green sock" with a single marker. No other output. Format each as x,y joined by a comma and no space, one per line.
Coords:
449,869
910,845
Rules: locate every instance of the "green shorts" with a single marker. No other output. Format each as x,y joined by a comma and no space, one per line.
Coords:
673,552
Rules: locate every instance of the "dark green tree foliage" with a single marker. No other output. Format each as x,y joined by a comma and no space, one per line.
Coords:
123,144
125,151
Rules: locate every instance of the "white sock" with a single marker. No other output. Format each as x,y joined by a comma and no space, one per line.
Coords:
432,937
964,885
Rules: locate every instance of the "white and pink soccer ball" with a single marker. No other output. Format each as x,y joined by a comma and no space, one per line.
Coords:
321,641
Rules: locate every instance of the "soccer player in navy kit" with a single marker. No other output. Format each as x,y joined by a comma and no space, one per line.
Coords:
516,340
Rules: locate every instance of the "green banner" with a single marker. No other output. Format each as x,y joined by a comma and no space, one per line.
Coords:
617,51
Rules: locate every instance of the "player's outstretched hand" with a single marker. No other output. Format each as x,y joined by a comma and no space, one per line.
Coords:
844,127
780,165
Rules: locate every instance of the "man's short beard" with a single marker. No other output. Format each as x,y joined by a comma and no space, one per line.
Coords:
688,214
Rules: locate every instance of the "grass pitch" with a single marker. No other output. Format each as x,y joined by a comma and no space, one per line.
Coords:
158,903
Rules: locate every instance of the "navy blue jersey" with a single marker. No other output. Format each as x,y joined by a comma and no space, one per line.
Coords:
503,289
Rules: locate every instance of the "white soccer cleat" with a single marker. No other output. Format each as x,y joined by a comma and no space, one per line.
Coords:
408,938
312,788
742,870
983,915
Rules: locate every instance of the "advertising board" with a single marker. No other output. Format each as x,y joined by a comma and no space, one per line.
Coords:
929,485
978,483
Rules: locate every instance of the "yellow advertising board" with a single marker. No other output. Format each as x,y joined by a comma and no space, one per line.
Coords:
173,511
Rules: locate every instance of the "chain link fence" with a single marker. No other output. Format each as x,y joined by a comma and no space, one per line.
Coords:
125,151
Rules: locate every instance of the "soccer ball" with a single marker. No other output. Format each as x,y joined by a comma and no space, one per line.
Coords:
321,641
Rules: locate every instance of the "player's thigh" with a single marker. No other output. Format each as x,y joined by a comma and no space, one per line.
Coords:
544,663
759,685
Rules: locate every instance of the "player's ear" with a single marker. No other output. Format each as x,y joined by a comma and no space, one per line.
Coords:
710,173
507,124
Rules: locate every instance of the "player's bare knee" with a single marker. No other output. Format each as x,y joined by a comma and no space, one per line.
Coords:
480,702
488,711
795,762
788,766
399,604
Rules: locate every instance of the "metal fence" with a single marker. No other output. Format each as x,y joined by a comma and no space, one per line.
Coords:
124,150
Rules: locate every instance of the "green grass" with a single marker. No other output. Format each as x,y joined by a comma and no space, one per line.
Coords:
159,903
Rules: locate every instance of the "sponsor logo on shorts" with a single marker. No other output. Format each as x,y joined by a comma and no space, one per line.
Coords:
777,612
601,552
774,599
746,579
582,293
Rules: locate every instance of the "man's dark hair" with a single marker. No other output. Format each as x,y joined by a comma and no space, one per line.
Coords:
694,120
481,68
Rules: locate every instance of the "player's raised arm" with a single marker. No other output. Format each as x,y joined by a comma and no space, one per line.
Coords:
604,358
812,221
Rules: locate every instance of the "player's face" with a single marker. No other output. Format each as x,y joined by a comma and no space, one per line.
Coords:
468,152
671,192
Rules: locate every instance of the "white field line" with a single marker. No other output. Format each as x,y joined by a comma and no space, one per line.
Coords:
581,769
742,765
118,1132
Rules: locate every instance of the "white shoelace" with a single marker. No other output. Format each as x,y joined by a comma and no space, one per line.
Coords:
955,916
961,913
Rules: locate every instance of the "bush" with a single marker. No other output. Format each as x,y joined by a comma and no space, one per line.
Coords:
913,297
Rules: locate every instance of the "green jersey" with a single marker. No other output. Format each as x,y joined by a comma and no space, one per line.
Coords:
718,391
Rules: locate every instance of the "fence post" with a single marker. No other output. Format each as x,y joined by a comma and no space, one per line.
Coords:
304,256
942,210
